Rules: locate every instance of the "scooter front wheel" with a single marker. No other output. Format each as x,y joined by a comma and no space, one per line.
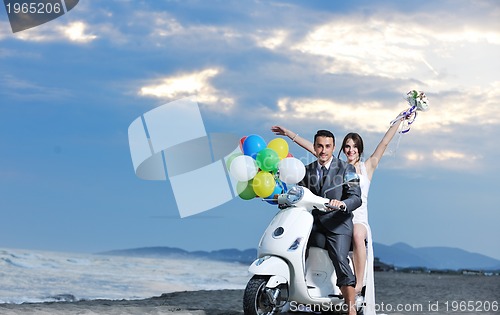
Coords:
256,300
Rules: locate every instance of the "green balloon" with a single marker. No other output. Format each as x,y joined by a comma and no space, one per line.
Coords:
245,190
267,160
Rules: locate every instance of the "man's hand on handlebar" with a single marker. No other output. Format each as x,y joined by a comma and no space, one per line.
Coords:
335,204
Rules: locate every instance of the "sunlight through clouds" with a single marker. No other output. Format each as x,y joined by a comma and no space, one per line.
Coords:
469,35
447,112
364,47
415,156
467,107
403,49
76,32
182,85
364,117
444,155
445,159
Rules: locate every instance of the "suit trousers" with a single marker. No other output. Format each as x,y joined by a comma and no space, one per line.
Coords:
338,246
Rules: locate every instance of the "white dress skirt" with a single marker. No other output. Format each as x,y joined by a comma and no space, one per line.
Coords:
361,217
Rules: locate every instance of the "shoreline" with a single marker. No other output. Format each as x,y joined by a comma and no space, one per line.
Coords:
422,294
213,302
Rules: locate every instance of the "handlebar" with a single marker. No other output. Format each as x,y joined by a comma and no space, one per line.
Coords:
341,208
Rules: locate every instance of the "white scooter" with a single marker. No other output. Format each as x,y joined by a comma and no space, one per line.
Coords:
283,280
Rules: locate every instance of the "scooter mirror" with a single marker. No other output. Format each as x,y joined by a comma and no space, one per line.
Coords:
351,179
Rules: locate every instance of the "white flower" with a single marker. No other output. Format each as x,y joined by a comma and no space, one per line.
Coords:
418,99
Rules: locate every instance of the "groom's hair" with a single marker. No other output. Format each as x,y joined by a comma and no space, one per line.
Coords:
324,133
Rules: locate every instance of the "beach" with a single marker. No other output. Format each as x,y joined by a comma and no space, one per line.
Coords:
217,302
397,294
53,283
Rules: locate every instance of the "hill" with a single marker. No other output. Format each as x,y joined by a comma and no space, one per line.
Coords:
228,255
439,258
399,255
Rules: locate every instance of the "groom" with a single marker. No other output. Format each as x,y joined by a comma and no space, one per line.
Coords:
333,230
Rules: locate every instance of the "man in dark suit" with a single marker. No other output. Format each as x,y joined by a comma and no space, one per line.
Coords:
333,230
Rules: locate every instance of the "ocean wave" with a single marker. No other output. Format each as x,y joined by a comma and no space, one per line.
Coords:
34,276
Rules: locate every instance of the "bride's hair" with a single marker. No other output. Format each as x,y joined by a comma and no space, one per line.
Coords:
358,141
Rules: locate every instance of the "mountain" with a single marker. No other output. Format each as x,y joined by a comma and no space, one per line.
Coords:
399,255
440,258
228,255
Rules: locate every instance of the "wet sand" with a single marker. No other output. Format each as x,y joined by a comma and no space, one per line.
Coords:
216,302
397,294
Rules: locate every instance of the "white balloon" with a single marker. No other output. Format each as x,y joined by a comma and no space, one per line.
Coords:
243,168
292,170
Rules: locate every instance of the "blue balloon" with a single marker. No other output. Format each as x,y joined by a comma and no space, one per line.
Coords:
253,144
278,189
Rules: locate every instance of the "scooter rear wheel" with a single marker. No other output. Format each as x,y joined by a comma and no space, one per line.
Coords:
255,299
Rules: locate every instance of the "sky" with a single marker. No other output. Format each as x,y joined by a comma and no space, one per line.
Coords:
70,88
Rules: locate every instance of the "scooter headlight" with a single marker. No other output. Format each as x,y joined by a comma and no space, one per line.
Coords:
294,194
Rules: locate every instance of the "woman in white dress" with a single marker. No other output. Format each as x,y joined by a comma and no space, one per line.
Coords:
352,147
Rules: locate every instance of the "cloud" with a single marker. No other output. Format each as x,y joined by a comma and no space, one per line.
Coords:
452,116
369,116
188,84
458,108
76,32
446,155
399,48
442,159
447,111
272,39
162,27
365,47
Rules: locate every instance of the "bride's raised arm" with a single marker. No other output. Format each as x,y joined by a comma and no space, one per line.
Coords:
306,144
372,162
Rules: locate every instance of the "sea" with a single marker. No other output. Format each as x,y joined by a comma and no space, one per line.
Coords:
43,276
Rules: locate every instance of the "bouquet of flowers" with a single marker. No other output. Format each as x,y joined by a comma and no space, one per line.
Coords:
418,99
418,102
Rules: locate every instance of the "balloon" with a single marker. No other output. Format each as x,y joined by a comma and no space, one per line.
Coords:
291,170
253,144
263,183
279,188
289,154
245,190
243,168
230,159
241,142
267,160
280,146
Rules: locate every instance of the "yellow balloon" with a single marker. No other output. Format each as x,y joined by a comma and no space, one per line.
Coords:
263,184
280,146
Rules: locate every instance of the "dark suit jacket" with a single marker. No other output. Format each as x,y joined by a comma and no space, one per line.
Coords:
337,222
